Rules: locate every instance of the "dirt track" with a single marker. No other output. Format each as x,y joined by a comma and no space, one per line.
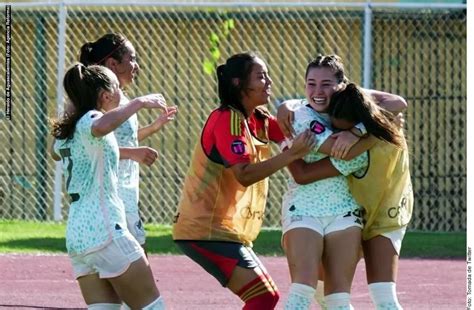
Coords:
45,282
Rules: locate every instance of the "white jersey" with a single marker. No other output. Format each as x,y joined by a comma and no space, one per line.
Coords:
129,173
327,197
90,165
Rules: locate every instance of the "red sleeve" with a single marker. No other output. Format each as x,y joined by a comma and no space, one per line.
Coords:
274,132
223,139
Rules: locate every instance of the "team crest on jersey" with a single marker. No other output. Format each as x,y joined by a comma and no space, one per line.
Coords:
238,147
317,127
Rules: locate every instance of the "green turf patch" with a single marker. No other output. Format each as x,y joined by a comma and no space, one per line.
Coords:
41,237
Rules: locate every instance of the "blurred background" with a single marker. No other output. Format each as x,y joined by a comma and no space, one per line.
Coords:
416,50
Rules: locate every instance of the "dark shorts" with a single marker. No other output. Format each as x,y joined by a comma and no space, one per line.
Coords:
219,258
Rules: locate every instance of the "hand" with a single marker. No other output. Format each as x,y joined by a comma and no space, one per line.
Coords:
344,141
154,101
144,155
165,117
399,120
303,144
285,118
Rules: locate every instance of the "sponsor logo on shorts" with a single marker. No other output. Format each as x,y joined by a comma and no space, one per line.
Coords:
296,218
317,127
238,147
355,213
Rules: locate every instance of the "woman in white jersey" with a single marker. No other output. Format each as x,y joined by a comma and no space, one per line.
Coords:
324,77
107,261
383,188
117,53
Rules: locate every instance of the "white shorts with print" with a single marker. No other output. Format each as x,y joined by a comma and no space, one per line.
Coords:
110,261
325,224
396,237
135,226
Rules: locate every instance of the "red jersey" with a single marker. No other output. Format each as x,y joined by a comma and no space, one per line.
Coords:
214,205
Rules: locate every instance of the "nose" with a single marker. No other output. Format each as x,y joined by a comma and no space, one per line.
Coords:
269,80
319,90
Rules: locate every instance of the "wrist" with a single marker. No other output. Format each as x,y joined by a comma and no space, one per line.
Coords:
359,130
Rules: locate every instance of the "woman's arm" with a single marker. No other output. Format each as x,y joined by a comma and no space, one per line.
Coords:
159,122
142,154
248,173
305,173
358,148
115,117
54,155
390,102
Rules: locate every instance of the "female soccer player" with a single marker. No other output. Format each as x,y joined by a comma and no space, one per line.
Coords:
107,260
117,53
223,199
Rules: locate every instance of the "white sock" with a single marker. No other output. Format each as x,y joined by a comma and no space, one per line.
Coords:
384,296
299,297
125,306
104,306
319,295
158,304
338,301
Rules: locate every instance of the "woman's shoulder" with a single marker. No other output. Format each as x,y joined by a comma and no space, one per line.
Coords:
86,121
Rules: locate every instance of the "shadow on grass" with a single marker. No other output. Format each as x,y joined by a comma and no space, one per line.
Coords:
46,244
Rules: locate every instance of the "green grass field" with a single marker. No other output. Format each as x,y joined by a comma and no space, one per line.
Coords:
37,237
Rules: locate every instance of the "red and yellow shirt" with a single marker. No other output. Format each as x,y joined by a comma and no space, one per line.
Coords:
214,205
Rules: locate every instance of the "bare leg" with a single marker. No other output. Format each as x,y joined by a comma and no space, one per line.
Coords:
341,254
303,248
381,260
96,290
136,286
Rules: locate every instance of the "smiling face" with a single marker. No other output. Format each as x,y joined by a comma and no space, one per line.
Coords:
127,68
321,83
258,89
110,99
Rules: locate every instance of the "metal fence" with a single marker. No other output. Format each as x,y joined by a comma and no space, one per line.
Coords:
415,50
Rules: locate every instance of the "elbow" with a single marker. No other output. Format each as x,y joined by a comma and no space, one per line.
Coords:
401,104
301,179
55,156
245,182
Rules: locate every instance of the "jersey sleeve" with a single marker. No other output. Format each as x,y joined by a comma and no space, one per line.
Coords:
274,132
306,118
228,142
347,167
84,128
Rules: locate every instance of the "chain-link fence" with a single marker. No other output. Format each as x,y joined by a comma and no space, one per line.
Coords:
417,51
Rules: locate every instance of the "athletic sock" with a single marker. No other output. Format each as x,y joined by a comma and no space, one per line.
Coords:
260,293
338,301
384,296
299,297
158,304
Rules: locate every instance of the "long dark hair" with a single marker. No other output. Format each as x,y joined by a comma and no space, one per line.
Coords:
83,85
351,104
109,45
238,66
